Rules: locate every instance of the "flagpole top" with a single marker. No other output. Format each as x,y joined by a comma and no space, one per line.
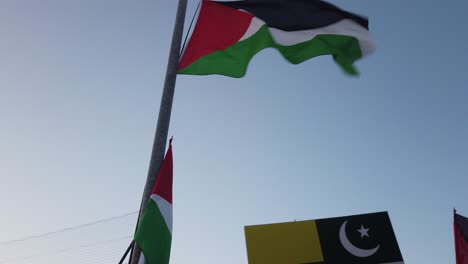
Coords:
170,140
454,210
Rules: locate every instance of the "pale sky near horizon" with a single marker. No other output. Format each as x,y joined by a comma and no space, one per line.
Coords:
80,86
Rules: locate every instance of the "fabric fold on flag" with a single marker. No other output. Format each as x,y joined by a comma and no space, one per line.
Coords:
228,34
154,232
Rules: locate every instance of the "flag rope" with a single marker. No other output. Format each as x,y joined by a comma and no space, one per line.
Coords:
190,28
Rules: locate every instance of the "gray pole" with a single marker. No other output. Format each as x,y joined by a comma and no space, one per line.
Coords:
160,138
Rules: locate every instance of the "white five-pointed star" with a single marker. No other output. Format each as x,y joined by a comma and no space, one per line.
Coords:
363,231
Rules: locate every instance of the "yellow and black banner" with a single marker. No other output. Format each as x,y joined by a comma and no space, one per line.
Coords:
358,239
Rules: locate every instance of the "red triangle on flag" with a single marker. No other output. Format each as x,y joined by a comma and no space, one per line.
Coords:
163,185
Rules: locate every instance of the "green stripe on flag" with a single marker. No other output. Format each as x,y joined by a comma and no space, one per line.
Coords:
233,61
153,236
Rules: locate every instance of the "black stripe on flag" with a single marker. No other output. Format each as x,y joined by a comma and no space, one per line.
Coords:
294,15
462,223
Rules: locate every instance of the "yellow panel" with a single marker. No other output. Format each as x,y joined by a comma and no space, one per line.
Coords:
284,243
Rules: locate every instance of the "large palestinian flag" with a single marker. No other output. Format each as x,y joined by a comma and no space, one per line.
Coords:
228,34
154,233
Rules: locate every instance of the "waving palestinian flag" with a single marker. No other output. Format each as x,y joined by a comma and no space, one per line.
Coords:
154,233
228,34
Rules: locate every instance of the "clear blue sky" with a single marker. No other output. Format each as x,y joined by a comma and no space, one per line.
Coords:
80,85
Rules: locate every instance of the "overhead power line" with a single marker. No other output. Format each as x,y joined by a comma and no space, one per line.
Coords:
67,229
101,241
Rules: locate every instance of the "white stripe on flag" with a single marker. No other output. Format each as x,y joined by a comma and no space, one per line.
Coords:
345,27
142,259
255,25
165,208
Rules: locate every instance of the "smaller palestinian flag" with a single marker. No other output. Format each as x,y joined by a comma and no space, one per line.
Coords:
228,34
460,226
154,232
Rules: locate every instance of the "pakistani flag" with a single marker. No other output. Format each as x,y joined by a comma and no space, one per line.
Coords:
154,233
355,239
228,34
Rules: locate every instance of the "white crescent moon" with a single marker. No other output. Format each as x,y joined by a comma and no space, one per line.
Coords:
358,252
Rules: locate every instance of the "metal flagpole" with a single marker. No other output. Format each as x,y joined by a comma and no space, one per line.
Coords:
160,138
